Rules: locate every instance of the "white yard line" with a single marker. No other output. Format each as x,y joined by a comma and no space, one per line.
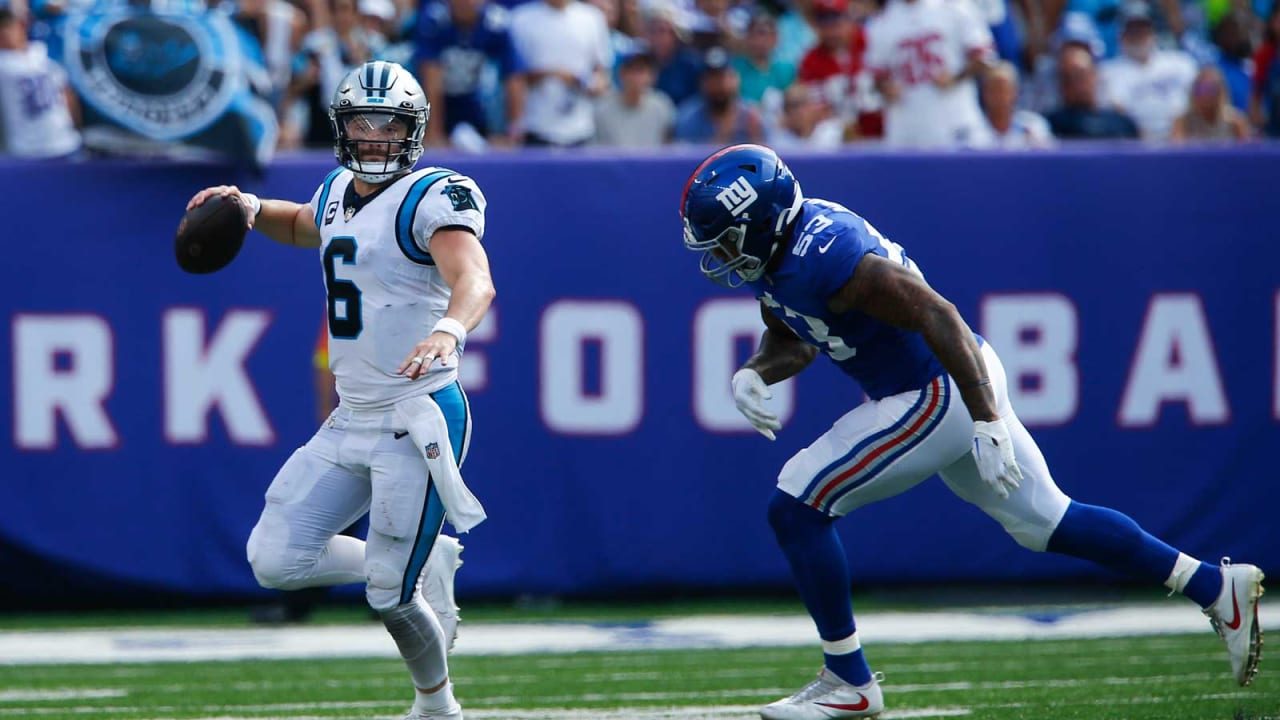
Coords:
11,696
124,645
701,712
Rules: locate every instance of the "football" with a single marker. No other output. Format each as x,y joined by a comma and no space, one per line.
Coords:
210,235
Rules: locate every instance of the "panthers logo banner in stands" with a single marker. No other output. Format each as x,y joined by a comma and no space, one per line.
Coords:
152,75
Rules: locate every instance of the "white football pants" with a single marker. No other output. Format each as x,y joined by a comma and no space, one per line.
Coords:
884,447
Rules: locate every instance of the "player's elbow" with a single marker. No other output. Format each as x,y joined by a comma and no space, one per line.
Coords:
938,317
482,288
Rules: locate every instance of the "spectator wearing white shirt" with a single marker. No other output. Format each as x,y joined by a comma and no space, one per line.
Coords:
567,54
805,124
1149,84
36,105
1010,127
924,55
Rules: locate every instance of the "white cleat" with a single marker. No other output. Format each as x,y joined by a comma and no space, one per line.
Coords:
829,697
437,588
453,714
1234,616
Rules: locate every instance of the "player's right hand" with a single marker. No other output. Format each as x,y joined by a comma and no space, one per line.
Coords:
224,190
749,393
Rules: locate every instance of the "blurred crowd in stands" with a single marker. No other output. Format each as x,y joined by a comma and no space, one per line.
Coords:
815,74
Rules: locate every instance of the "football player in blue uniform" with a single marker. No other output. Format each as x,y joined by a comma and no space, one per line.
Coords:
829,282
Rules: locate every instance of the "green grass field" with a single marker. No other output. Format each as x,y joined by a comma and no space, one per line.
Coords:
1172,677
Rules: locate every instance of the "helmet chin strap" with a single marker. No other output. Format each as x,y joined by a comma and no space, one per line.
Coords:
374,179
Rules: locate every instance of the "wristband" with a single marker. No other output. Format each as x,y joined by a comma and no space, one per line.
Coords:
452,327
255,205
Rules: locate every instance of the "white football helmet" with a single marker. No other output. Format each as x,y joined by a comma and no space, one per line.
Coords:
379,115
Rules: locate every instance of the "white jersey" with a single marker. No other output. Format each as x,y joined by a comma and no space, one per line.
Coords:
575,39
384,290
911,42
1026,130
34,120
1152,93
277,44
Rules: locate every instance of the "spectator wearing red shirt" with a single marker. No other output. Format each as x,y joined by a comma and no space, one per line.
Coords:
834,66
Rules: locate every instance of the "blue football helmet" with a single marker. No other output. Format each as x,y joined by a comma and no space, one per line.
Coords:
737,208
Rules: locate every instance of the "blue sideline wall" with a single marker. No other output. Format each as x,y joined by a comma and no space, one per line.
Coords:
1134,296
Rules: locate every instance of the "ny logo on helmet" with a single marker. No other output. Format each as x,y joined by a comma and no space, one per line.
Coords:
738,197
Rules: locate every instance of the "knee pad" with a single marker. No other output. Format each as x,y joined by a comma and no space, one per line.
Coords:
792,519
266,553
1030,526
383,588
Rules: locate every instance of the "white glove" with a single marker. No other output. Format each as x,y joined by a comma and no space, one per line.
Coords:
749,393
993,451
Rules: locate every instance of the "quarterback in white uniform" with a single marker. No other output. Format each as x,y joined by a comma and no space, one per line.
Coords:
406,280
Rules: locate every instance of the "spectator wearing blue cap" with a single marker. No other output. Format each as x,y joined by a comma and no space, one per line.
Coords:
718,115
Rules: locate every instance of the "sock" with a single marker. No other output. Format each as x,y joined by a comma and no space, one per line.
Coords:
821,572
1199,581
440,701
845,658
1113,540
418,636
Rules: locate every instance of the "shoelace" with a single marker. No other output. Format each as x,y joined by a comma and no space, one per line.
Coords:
823,685
827,682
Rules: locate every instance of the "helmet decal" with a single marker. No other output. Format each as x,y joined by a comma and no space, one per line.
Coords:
736,208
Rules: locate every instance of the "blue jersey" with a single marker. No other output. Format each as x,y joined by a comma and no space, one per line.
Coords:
464,54
829,241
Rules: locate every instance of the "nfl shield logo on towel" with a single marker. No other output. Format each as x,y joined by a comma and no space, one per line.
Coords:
433,451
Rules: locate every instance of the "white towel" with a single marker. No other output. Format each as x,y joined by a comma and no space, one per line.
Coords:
426,425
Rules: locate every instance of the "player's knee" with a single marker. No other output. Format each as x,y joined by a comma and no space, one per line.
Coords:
1032,530
791,518
382,591
1033,538
266,557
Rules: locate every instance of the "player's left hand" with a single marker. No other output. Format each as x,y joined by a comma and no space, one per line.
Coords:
438,346
993,451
